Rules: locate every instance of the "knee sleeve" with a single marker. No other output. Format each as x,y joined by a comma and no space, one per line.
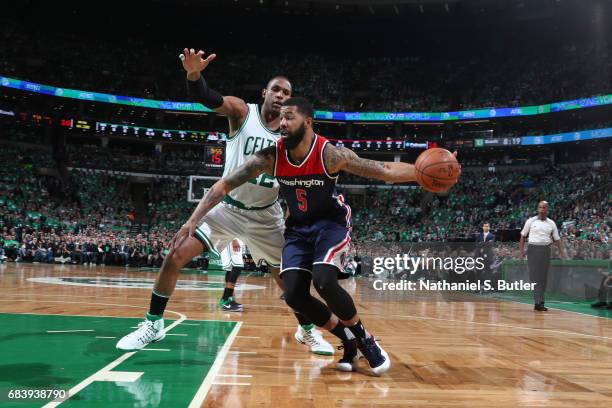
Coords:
325,278
232,276
298,297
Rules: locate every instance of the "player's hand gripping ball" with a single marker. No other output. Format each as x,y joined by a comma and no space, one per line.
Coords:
437,170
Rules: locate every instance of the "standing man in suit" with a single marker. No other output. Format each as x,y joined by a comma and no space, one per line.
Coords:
486,235
542,232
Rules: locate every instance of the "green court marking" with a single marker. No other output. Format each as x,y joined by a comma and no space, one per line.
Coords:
556,301
32,358
209,272
190,271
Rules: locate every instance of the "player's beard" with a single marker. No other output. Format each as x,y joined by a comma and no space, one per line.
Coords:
294,139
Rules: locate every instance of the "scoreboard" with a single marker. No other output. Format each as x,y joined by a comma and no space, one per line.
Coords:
373,145
498,142
214,157
215,141
158,134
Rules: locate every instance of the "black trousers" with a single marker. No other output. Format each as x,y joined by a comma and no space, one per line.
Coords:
604,292
538,261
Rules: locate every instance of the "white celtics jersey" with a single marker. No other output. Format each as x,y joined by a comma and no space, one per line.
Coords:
252,136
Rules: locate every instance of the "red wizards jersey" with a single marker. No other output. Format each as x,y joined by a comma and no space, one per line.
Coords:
308,188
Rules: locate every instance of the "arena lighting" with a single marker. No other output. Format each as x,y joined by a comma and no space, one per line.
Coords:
600,100
604,133
101,97
487,113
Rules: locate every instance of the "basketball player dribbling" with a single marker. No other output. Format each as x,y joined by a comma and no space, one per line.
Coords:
250,212
318,228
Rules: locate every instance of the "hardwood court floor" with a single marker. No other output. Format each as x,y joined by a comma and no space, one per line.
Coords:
447,350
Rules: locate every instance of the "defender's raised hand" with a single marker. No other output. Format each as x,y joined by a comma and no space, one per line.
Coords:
194,62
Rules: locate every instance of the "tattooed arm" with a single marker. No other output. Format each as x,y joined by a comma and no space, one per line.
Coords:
261,162
341,158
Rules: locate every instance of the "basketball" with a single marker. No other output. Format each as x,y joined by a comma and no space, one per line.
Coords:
437,170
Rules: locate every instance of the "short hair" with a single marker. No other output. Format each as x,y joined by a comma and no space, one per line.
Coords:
277,77
303,105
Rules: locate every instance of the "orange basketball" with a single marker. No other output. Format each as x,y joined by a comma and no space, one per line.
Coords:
437,170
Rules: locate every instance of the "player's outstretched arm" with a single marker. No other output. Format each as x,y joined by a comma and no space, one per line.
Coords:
194,63
342,159
261,162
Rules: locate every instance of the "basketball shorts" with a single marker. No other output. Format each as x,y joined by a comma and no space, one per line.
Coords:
260,230
324,242
231,258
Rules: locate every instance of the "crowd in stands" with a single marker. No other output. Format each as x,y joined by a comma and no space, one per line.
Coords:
86,218
90,246
581,205
143,159
41,217
501,76
168,207
182,162
86,221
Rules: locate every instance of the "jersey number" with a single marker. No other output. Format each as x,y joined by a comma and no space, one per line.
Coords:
301,197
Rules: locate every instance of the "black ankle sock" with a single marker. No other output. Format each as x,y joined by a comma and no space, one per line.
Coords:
358,330
227,292
340,332
158,304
